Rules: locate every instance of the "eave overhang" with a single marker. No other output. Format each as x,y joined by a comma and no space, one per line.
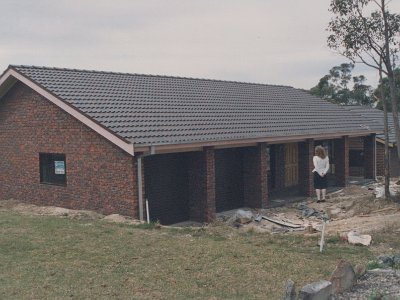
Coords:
11,76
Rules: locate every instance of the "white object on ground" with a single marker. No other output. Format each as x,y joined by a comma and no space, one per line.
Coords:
356,238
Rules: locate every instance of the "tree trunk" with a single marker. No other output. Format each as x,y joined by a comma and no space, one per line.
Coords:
395,111
386,131
390,74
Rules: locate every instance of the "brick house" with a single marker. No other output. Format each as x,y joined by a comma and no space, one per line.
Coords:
356,144
191,147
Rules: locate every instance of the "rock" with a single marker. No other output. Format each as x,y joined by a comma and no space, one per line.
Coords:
379,192
382,271
258,219
290,292
385,261
360,270
243,216
343,277
320,290
355,238
396,260
308,212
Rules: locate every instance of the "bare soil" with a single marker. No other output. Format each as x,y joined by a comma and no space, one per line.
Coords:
353,208
31,209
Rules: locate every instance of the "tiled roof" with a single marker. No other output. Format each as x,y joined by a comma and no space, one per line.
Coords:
155,110
377,116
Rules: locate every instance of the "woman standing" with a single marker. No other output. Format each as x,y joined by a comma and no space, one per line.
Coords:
321,167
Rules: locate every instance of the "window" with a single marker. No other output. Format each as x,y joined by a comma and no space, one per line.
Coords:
53,168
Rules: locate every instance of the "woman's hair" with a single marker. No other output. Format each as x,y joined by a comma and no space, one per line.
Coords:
320,151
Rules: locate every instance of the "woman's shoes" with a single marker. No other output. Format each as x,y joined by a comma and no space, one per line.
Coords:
320,201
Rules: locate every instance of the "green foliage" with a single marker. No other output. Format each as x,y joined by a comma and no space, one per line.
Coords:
334,87
386,91
361,30
373,265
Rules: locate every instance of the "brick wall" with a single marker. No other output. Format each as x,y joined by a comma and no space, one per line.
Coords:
255,168
341,148
201,177
380,159
394,162
356,143
100,176
369,156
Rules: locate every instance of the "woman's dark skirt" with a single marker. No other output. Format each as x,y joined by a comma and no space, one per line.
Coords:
320,183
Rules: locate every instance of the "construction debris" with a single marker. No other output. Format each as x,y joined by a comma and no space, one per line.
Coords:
355,238
379,188
354,208
243,216
317,290
343,277
281,222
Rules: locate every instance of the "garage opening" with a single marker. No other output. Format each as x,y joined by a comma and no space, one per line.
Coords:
229,192
166,187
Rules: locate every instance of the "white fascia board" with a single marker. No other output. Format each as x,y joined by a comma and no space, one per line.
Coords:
127,147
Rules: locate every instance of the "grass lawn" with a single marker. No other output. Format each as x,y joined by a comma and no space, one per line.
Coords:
59,258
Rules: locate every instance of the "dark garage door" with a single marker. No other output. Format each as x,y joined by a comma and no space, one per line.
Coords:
166,187
228,179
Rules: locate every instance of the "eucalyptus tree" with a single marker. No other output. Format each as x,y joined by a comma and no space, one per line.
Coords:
341,87
365,31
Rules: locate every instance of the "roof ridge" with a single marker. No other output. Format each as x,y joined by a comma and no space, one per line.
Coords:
147,75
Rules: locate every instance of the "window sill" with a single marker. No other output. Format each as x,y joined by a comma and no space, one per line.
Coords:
55,184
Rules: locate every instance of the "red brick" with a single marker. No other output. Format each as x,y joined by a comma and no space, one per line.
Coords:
255,168
341,148
100,176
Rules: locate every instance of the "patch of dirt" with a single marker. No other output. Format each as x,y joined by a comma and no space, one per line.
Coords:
116,218
352,208
31,209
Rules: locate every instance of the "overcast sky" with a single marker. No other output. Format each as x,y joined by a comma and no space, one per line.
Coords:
264,41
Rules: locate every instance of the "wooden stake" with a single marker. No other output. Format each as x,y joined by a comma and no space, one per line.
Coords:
321,245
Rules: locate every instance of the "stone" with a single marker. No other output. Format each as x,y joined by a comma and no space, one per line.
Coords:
290,292
243,216
343,277
396,260
258,219
382,271
360,270
385,261
355,238
320,290
308,212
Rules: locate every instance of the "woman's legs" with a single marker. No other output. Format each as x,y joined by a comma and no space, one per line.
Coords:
323,194
318,191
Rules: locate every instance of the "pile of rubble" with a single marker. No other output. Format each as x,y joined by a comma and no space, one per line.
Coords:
351,213
347,282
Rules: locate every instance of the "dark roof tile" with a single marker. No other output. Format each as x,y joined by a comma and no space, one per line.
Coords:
148,109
